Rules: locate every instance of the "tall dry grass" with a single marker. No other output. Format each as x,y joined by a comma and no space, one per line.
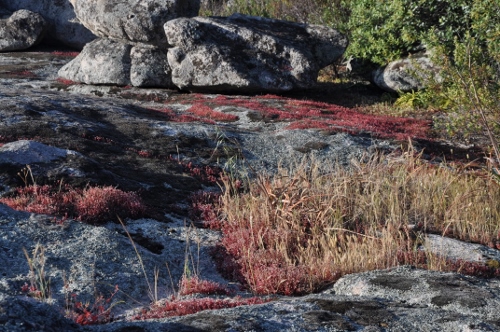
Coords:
295,232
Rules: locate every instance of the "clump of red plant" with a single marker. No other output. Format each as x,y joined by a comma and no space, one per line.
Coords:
93,204
24,74
207,112
98,204
202,209
306,114
195,285
177,307
65,81
205,173
98,312
67,53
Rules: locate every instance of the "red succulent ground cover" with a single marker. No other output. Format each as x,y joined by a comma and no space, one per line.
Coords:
195,285
69,54
178,307
204,111
24,74
307,114
94,205
84,313
65,81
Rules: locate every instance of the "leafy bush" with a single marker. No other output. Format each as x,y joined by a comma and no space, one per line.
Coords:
471,75
382,31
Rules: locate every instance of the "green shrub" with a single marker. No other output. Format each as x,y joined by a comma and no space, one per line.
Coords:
471,75
382,31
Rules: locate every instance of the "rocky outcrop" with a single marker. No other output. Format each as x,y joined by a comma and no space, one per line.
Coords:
406,75
107,61
238,53
245,53
132,48
22,30
136,20
140,140
63,26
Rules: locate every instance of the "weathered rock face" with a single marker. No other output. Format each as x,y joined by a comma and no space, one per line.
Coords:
132,50
406,75
246,53
134,20
63,27
22,30
106,61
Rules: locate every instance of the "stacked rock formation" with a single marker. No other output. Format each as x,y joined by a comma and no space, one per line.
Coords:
156,43
132,48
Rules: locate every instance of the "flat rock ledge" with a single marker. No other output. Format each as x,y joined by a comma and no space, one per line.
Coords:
402,299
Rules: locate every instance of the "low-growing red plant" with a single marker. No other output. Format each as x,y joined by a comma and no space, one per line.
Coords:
24,73
91,314
206,112
206,173
100,204
195,285
93,204
202,209
307,114
67,53
186,307
65,81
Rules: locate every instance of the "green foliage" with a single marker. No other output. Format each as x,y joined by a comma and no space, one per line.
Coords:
471,75
382,31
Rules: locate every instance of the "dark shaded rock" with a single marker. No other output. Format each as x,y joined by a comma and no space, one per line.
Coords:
458,291
394,282
318,318
132,20
63,26
246,53
361,312
22,30
24,314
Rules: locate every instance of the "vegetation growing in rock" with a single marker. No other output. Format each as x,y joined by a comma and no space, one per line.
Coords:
94,205
301,230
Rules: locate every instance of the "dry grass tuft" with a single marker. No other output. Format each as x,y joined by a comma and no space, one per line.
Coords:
300,230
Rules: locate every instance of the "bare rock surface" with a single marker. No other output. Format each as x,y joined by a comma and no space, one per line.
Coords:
112,62
132,20
22,30
459,250
405,75
155,142
25,152
245,53
63,26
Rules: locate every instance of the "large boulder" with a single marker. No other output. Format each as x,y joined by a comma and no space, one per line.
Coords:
22,30
248,54
63,27
405,75
132,20
106,61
